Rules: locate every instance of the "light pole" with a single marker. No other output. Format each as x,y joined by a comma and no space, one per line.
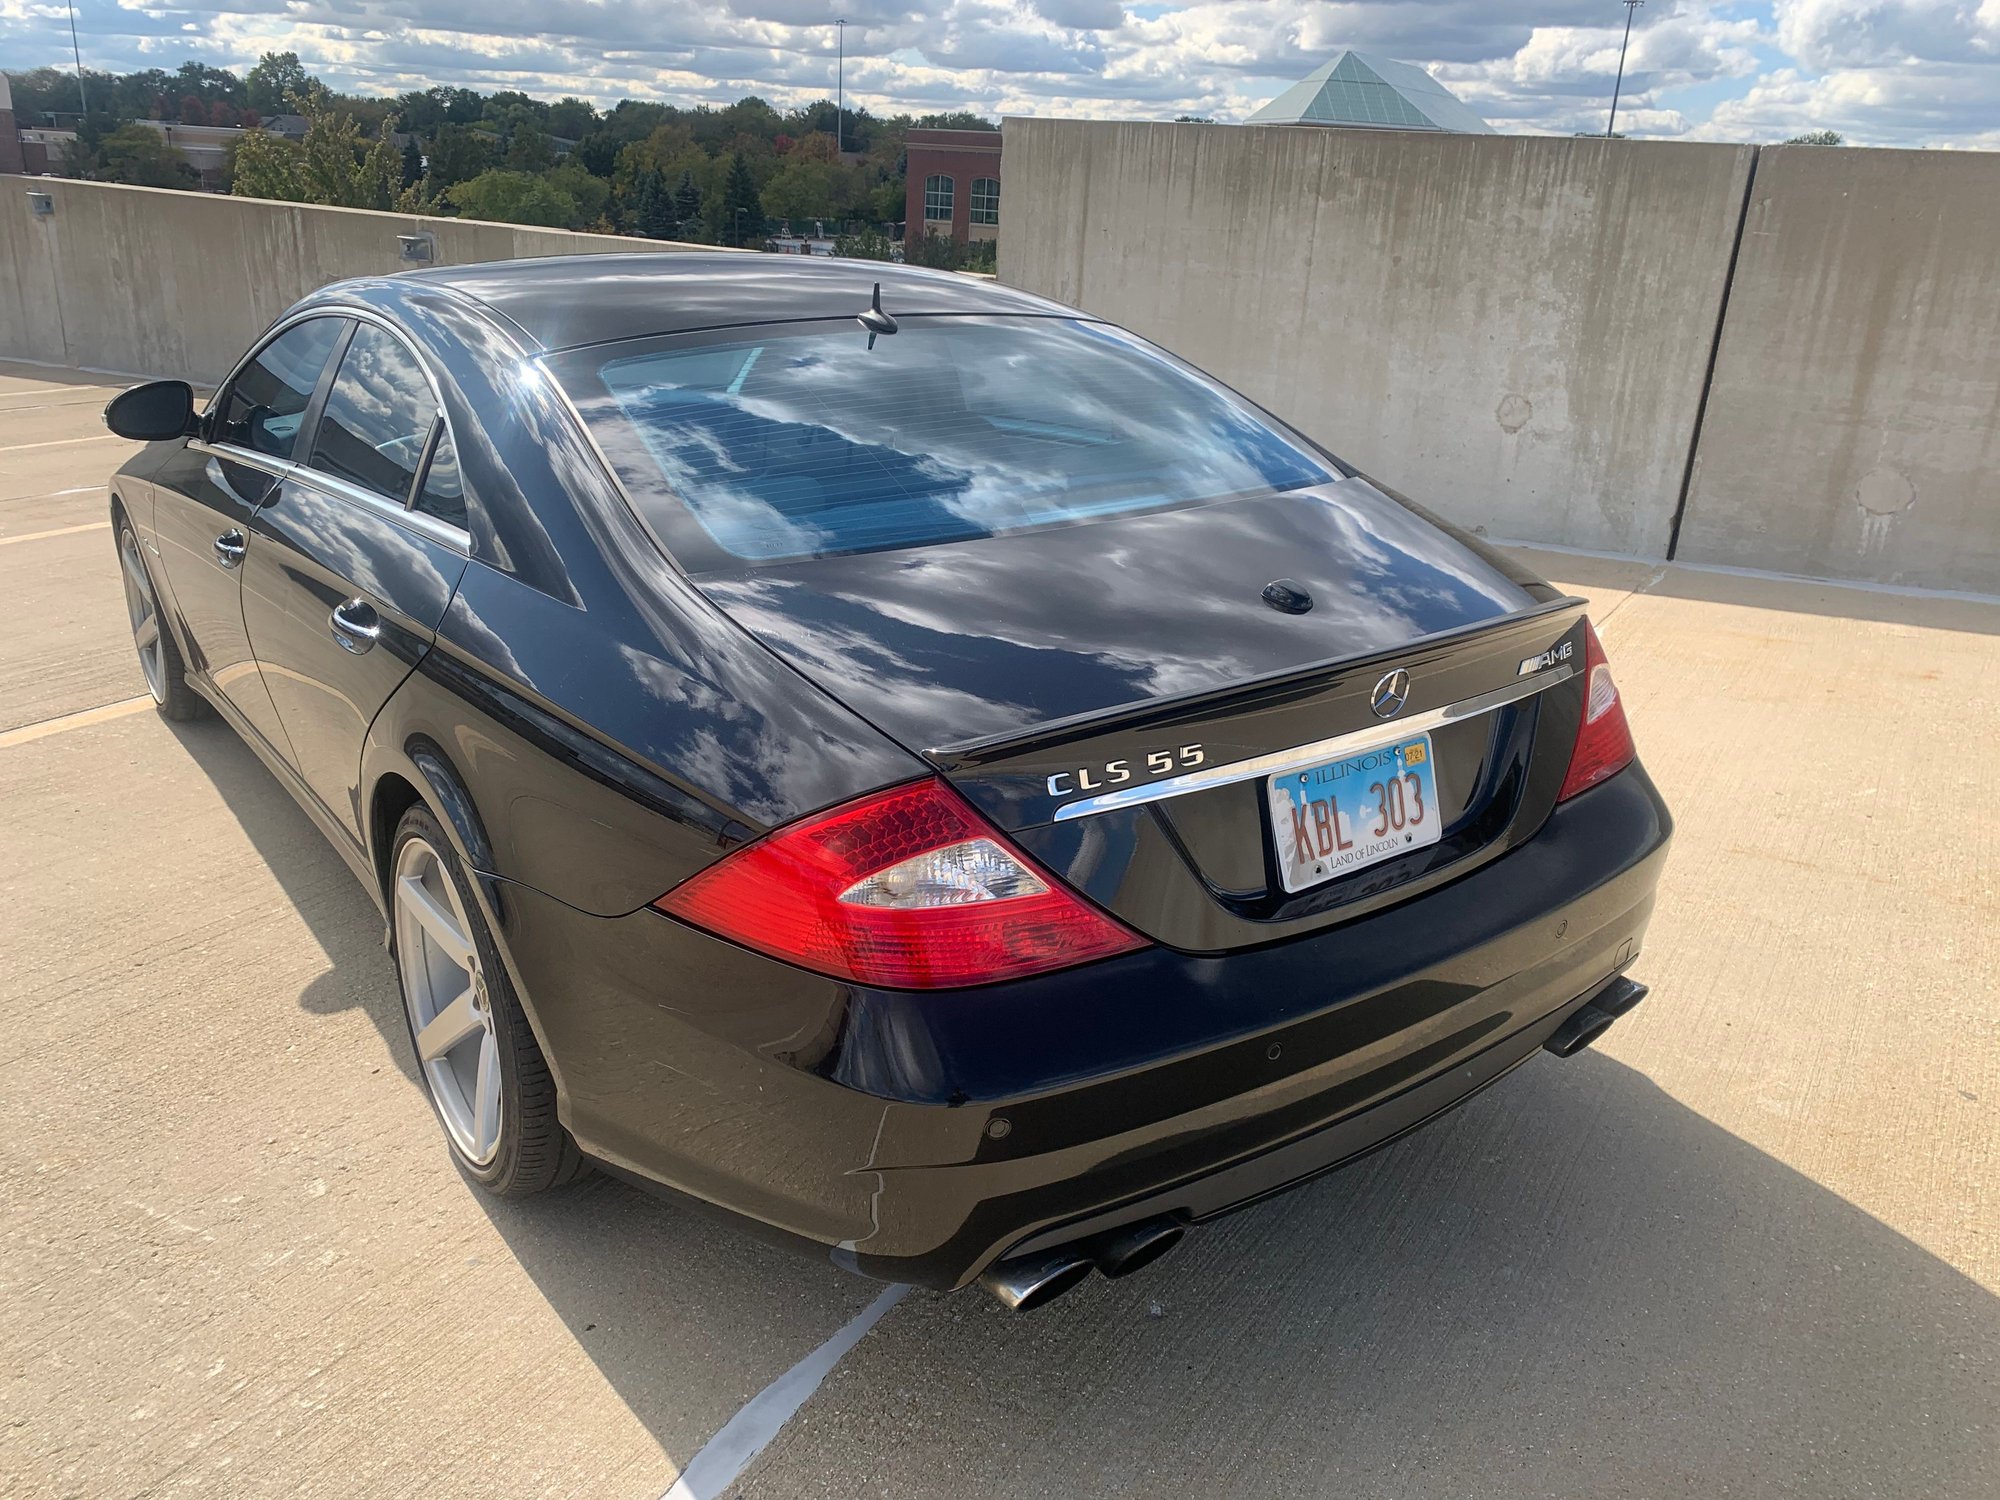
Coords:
82,99
840,90
1631,9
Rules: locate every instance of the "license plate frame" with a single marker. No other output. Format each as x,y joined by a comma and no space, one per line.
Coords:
1391,785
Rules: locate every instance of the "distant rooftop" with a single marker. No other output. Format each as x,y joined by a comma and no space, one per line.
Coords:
1376,93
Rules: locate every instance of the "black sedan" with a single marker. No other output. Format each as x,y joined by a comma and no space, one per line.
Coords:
902,761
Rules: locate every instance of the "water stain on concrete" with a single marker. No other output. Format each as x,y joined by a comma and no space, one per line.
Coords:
1513,412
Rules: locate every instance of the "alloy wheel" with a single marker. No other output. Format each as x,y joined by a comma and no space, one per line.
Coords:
450,1014
144,611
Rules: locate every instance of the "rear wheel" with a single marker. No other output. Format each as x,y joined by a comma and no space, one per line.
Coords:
476,1053
159,657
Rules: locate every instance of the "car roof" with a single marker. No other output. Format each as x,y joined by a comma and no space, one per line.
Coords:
565,300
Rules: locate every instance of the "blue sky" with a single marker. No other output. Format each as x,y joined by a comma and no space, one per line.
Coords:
1882,72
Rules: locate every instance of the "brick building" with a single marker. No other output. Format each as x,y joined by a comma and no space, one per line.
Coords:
954,184
10,136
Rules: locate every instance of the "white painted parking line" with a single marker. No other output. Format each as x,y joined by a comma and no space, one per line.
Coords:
749,1432
95,437
36,536
28,733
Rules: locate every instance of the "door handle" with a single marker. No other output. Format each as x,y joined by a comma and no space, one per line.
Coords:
230,546
356,626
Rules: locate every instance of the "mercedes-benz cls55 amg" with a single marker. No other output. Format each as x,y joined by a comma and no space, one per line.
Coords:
905,762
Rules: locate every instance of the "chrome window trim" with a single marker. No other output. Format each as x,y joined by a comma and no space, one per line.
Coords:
1300,756
359,315
420,522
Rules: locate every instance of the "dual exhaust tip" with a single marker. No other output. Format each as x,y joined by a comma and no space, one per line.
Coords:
1593,1018
1032,1280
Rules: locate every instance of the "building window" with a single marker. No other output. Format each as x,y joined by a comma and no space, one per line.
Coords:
986,200
937,198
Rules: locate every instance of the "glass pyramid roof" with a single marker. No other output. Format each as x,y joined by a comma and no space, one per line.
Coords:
1355,89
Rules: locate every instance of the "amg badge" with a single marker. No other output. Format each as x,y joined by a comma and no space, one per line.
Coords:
1547,659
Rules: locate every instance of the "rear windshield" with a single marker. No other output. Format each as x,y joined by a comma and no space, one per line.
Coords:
781,443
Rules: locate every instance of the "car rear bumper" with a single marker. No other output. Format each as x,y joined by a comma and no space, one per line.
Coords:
921,1137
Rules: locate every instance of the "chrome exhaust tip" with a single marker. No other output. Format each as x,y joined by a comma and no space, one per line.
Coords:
1026,1284
1593,1018
1123,1251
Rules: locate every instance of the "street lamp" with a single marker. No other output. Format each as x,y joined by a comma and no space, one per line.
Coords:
82,100
840,90
1631,9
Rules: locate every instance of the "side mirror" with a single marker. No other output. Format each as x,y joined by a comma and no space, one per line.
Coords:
153,413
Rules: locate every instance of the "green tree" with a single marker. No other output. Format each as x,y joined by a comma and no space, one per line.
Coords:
529,150
740,218
513,198
335,164
413,162
653,210
264,165
572,118
687,205
271,84
457,154
134,153
1818,138
591,195
341,168
957,119
802,189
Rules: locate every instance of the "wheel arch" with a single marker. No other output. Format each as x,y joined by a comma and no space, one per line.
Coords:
425,775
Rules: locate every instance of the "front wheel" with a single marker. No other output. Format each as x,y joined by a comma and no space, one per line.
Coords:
476,1053
159,657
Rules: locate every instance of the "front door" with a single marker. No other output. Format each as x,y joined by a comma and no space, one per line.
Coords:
352,562
207,493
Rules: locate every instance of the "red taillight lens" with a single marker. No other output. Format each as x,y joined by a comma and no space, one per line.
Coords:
1603,740
908,889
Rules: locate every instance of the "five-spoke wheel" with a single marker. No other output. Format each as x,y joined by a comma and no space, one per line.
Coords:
450,1015
476,1052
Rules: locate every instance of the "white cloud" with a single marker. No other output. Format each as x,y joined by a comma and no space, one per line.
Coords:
1912,72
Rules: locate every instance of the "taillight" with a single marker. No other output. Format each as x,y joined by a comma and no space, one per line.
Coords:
1603,740
907,889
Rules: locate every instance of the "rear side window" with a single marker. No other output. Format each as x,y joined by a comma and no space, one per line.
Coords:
443,494
378,416
785,443
263,406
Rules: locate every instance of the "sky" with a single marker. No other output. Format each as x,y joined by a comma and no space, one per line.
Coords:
1881,72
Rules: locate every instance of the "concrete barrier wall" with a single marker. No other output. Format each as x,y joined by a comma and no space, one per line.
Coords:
1520,332
1853,425
1513,329
148,281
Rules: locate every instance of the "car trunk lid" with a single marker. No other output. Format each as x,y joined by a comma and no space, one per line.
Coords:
1064,678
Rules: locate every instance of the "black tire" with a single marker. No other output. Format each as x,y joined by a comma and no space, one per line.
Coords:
535,1153
166,679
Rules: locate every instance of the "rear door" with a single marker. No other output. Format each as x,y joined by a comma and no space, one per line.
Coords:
208,491
354,559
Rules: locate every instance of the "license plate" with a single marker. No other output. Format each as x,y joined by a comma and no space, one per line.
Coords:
1358,810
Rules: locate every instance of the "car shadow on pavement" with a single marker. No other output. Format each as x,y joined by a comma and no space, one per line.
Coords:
1573,1286
687,1319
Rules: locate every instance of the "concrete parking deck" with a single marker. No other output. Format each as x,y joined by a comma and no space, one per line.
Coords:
1750,1245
